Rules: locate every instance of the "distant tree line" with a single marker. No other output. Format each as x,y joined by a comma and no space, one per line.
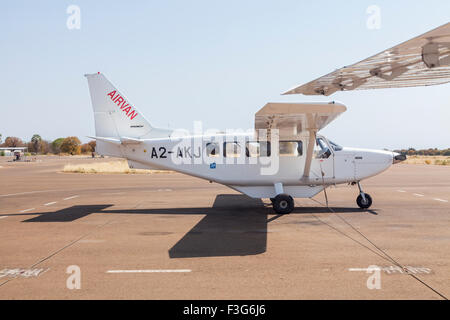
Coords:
425,152
37,145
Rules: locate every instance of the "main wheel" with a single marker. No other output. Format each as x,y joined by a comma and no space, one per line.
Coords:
364,204
283,204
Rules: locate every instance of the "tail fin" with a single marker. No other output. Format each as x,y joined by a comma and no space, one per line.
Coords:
114,114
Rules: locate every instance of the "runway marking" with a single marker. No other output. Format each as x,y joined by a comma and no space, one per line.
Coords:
50,203
149,271
441,200
159,190
73,197
91,241
63,248
22,193
395,269
402,191
418,195
384,255
26,273
26,210
363,269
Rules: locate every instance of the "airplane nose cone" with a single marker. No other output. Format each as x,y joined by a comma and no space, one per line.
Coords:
398,157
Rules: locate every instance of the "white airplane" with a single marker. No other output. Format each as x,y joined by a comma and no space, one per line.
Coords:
284,157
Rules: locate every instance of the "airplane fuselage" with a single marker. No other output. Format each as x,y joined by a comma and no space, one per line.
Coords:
230,160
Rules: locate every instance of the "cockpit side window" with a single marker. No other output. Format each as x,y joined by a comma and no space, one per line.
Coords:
335,146
321,150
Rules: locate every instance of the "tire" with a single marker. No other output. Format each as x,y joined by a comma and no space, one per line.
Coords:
362,204
283,204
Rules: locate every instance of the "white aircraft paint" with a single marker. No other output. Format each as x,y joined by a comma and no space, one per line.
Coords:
300,164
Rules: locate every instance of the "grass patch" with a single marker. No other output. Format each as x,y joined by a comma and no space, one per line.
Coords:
429,160
107,167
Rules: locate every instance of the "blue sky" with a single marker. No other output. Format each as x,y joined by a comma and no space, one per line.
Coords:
214,61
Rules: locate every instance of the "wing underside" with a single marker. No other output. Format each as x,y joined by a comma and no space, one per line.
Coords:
421,61
293,119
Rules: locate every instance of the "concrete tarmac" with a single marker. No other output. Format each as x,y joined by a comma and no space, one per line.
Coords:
171,236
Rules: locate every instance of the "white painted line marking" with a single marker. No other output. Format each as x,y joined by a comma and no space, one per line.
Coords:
26,210
363,269
441,200
73,197
50,203
403,191
91,241
418,195
3,217
394,269
26,273
148,271
22,193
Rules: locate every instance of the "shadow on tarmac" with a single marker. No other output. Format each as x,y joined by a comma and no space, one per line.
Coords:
236,225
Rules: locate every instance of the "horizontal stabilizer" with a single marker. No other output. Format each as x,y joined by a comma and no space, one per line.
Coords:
121,140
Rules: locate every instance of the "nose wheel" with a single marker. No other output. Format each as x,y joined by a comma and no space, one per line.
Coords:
364,200
283,204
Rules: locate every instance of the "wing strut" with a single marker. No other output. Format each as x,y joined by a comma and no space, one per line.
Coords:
309,153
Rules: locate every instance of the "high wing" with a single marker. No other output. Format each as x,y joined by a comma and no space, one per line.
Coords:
293,119
421,61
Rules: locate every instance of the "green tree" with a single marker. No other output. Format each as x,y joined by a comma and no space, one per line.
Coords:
56,145
36,142
71,145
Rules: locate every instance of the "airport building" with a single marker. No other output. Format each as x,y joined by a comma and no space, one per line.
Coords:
11,151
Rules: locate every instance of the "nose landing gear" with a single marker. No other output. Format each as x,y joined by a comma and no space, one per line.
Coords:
364,200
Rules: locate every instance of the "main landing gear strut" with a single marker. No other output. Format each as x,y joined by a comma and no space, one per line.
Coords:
364,200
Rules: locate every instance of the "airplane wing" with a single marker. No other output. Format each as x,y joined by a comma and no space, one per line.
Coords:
421,61
293,119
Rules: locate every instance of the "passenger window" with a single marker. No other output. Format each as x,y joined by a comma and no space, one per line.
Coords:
252,149
232,150
257,149
264,149
212,149
291,148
